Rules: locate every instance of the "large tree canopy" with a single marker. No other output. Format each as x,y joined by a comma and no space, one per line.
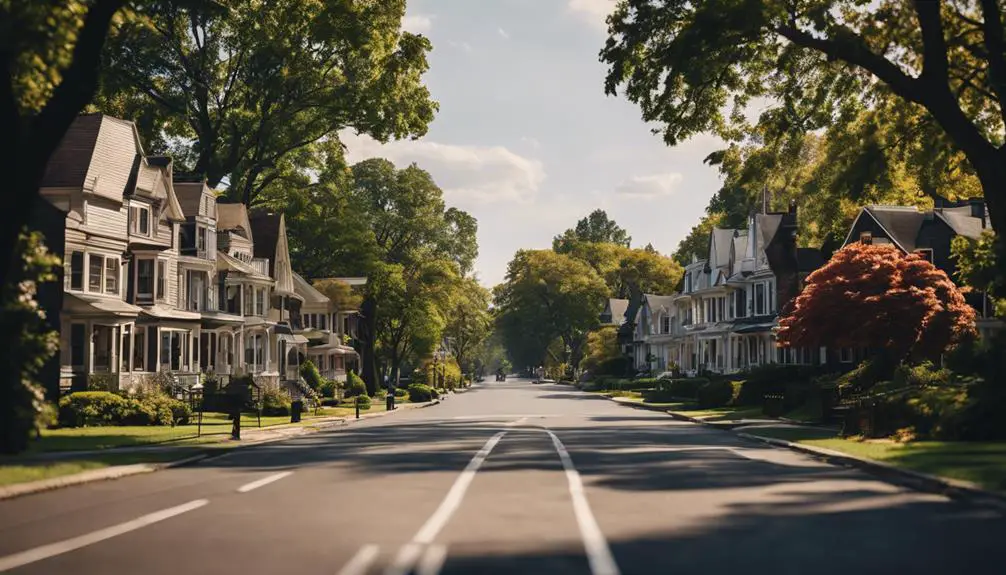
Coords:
876,297
936,67
242,95
595,228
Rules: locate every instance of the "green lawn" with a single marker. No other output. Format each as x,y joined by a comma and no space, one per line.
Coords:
983,463
732,413
13,471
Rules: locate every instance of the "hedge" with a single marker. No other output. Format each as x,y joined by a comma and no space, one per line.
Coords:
419,392
685,387
715,393
87,408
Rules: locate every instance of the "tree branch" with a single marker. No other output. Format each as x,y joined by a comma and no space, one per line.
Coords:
993,28
934,45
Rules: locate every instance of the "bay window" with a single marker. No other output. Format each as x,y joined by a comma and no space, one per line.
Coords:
145,279
95,267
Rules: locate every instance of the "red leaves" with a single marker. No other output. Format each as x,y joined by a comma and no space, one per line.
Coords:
875,296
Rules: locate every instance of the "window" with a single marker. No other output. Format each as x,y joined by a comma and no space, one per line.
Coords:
759,299
200,238
741,305
323,323
771,297
260,301
77,345
141,220
139,347
845,355
124,359
249,302
145,279
665,324
76,273
95,267
720,314
866,238
162,278
175,350
111,276
688,283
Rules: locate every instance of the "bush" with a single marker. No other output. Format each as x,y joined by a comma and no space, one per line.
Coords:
355,385
683,387
330,402
715,393
312,377
774,379
275,402
616,366
419,392
328,388
924,375
91,408
401,392
363,400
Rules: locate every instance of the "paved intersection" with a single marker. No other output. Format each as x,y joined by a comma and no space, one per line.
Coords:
507,478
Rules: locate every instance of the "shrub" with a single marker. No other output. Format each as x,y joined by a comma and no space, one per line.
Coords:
355,385
715,393
924,375
312,377
102,382
683,387
48,416
419,392
363,400
90,408
616,366
328,388
330,402
774,379
401,392
275,402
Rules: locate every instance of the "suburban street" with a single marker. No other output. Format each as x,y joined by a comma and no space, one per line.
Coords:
477,484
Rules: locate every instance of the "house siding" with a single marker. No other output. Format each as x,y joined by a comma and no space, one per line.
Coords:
114,155
105,217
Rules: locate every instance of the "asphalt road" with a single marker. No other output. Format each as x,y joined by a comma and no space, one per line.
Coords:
506,478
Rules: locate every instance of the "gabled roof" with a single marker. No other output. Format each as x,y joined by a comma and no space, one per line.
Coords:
271,243
901,223
190,195
69,163
234,217
768,226
617,308
719,245
230,263
962,222
654,301
307,291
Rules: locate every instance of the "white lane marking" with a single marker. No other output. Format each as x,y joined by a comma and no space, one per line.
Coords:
360,562
598,553
51,550
432,561
405,559
264,481
516,422
452,501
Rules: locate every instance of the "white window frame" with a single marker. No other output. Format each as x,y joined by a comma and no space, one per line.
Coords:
153,279
136,219
68,271
161,280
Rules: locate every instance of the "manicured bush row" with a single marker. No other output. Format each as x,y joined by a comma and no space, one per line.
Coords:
87,408
419,392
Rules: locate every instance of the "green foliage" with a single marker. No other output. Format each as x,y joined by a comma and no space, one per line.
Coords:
29,343
275,401
602,346
328,388
618,366
311,375
468,321
88,408
684,387
354,385
419,392
401,392
351,66
715,393
363,401
924,375
596,228
977,267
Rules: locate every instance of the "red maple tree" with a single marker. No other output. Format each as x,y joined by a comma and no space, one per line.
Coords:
879,298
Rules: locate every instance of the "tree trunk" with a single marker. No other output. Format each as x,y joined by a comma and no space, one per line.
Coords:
368,334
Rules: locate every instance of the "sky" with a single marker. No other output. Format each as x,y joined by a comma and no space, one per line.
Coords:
526,140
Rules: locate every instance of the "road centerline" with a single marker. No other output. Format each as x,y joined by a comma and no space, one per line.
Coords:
264,481
598,554
361,561
53,549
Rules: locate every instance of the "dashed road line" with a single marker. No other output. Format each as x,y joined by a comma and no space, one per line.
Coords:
432,561
360,562
406,558
264,481
53,549
598,554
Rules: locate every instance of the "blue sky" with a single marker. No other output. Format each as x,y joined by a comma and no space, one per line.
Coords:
526,140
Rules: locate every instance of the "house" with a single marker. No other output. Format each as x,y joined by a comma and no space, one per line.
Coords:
930,234
276,327
121,320
614,312
325,326
203,277
658,319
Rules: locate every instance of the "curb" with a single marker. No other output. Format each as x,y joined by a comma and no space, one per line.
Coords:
120,471
924,482
952,488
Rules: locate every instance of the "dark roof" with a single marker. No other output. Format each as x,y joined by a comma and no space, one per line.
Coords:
265,227
809,259
902,223
159,161
69,163
963,222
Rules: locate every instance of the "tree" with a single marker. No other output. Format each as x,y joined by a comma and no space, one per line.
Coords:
244,96
602,346
696,243
548,296
876,297
340,293
411,228
595,228
468,321
943,63
977,268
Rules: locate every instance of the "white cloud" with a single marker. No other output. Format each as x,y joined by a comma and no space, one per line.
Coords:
532,143
593,11
503,33
464,46
467,174
650,187
417,23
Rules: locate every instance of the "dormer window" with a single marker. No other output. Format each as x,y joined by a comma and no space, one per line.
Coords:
140,216
866,238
